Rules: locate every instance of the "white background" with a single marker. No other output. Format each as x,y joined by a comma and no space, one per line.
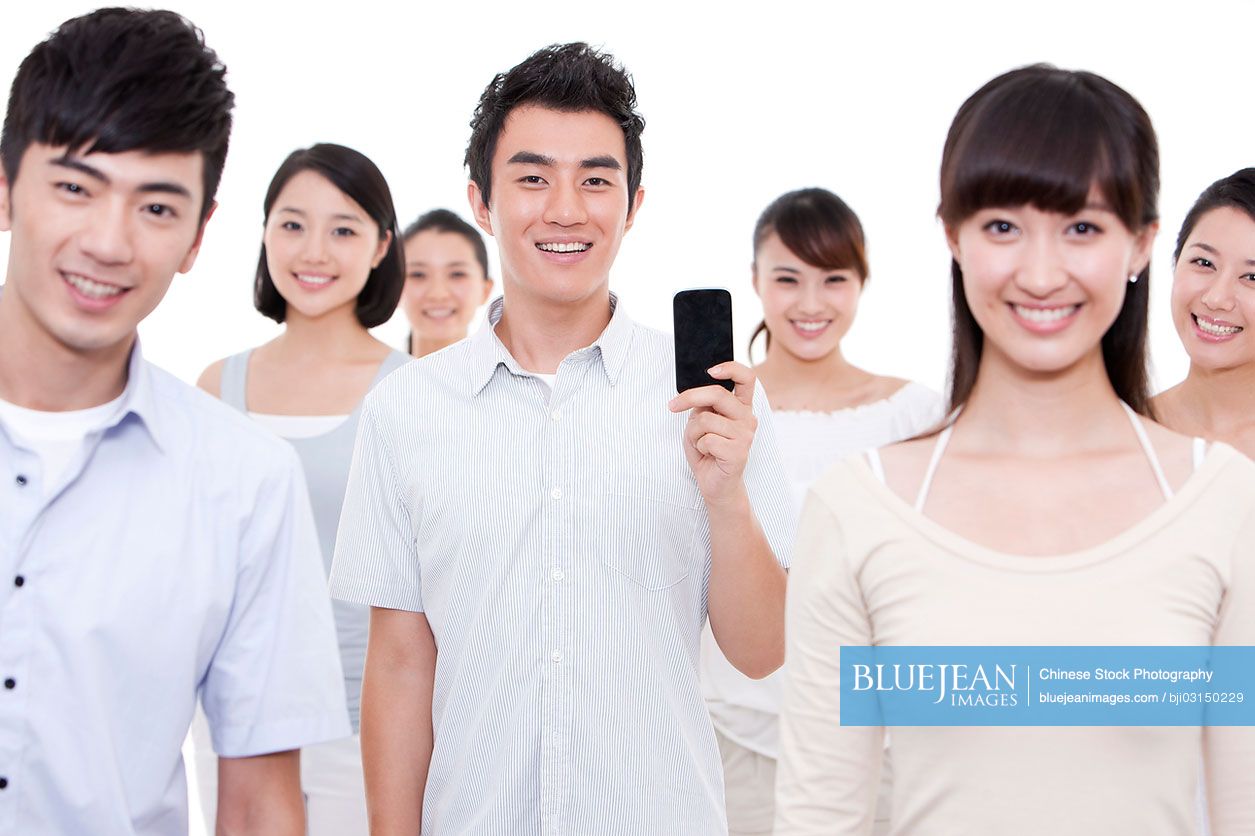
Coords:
741,102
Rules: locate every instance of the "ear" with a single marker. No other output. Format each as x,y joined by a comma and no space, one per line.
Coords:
489,284
1142,246
382,249
479,208
754,279
6,215
190,258
636,207
952,241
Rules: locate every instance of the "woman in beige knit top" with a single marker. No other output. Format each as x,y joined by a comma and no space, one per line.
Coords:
1050,511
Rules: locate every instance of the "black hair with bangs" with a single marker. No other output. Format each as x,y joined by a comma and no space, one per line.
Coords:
1045,137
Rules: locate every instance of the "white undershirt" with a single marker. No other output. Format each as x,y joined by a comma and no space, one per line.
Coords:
547,379
298,426
55,437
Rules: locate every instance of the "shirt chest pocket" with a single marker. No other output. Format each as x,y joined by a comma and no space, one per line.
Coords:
648,540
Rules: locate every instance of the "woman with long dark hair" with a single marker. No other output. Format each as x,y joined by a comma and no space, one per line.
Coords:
330,269
1049,510
809,271
1213,308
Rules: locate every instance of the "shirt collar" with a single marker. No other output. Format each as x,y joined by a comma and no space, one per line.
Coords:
487,352
138,398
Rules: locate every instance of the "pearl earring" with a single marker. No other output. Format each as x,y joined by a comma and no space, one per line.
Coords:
1132,278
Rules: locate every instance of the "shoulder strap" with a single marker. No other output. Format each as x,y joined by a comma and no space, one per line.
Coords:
235,380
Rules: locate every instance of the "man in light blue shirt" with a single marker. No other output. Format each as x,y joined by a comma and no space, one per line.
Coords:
542,526
153,543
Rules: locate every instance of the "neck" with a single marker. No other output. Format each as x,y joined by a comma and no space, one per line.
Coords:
1038,414
1222,401
422,346
335,335
540,333
785,370
39,372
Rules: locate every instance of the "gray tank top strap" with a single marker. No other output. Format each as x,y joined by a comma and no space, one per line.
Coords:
391,363
235,380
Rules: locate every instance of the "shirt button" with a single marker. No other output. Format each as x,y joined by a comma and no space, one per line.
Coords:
10,683
19,580
556,656
556,415
21,480
557,574
556,493
4,782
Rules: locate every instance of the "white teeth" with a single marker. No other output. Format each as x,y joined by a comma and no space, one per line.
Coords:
803,325
573,247
314,279
95,290
1216,330
1045,314
439,313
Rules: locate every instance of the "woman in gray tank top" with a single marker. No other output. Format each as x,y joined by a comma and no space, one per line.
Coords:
331,267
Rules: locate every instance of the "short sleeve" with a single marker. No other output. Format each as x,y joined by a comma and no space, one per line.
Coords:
827,776
376,557
767,484
274,682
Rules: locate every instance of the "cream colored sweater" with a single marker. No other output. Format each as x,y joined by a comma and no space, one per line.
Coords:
870,570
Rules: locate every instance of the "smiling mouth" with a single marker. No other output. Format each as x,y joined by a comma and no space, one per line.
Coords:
565,247
1215,329
91,288
810,326
1045,316
314,280
440,313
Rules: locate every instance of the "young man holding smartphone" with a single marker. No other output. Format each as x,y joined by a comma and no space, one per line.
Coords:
540,527
153,543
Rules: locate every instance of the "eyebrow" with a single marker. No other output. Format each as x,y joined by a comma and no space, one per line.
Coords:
533,158
782,268
156,187
339,217
424,264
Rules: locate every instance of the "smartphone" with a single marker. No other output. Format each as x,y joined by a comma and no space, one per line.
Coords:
703,336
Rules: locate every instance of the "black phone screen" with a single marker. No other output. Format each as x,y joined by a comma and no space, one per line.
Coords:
703,336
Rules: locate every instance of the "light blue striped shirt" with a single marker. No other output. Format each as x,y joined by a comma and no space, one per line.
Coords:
560,548
176,554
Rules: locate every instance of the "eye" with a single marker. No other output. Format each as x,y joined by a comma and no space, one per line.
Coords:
1205,263
343,232
1248,277
1084,228
998,227
532,180
290,226
71,188
417,275
161,210
786,279
835,278
457,274
597,182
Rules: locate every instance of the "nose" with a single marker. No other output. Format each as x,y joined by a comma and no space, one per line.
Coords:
108,236
809,301
315,249
1219,295
1042,269
565,205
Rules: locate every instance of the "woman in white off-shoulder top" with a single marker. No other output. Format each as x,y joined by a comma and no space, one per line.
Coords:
810,268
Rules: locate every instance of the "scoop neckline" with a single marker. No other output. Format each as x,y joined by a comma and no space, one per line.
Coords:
1218,455
910,384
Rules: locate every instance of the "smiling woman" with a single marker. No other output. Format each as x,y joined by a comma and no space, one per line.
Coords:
1048,511
330,268
1213,307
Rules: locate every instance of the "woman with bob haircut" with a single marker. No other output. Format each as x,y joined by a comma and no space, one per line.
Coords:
1213,305
1048,511
330,268
809,271
446,280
